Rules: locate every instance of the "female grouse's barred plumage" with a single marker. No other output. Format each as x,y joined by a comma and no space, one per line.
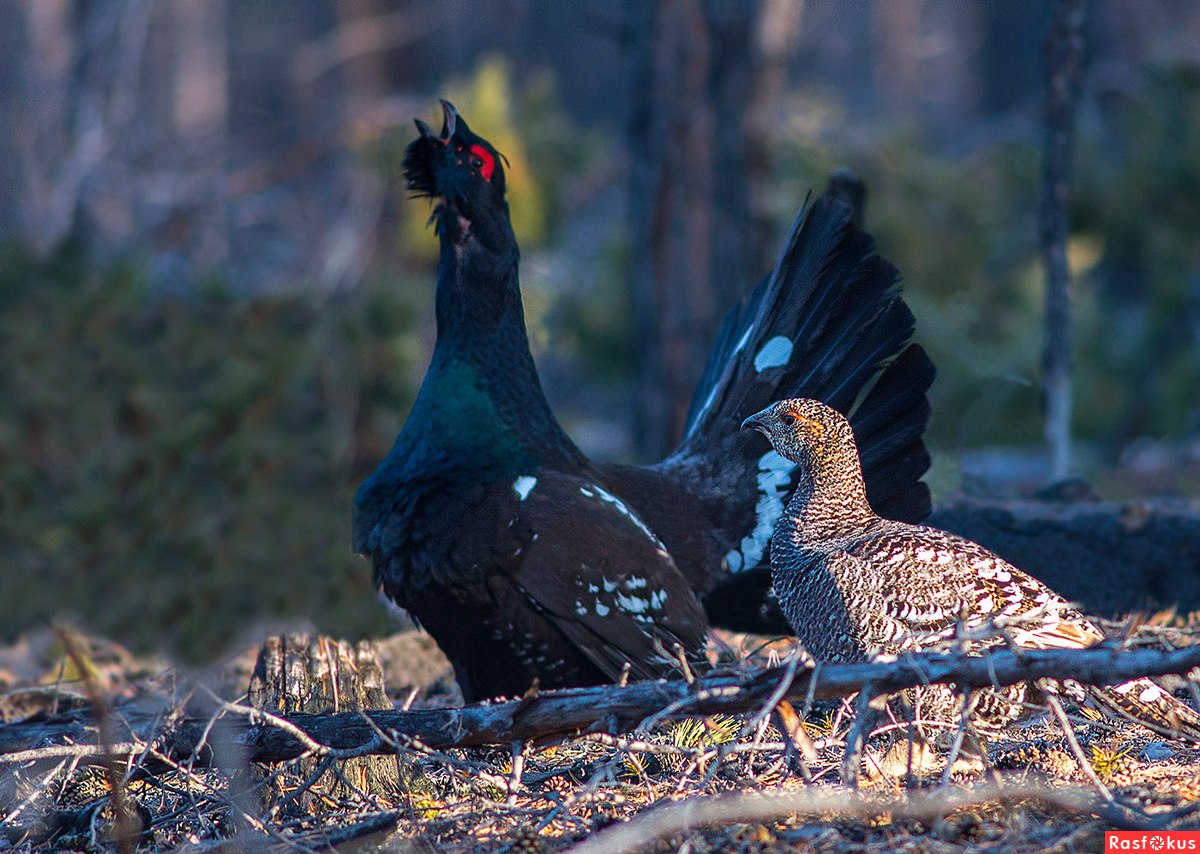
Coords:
856,586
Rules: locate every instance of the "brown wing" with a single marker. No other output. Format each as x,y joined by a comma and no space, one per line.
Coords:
595,570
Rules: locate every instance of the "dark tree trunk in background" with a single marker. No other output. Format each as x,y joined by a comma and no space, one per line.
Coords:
693,235
778,32
897,64
1063,60
12,78
1007,62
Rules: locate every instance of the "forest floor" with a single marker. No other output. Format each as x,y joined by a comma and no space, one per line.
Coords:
697,785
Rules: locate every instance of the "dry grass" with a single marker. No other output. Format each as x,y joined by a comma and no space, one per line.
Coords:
722,784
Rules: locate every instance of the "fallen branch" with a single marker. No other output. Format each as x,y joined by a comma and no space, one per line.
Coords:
751,807
564,714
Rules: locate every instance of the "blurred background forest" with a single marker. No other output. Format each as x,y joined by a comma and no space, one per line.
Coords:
216,300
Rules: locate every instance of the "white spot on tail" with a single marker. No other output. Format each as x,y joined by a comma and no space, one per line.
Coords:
775,353
774,477
524,485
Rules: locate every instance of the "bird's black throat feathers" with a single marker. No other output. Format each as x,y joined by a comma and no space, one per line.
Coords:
480,414
482,357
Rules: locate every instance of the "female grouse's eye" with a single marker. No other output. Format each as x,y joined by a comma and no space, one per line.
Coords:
791,418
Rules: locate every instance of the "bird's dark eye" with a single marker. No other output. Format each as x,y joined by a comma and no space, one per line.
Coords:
790,418
482,160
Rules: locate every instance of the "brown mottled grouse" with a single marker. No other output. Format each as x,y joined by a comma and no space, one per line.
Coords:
856,586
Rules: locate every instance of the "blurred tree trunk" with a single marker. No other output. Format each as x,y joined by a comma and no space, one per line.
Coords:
897,67
43,133
120,138
695,245
778,32
1063,61
13,61
197,227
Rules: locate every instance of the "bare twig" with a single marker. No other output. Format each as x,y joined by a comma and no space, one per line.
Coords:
856,738
1060,715
514,778
124,822
741,807
964,724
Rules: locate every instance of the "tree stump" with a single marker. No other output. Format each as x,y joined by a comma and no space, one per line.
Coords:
298,673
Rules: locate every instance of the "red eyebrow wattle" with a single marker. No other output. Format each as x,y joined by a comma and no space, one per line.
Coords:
489,162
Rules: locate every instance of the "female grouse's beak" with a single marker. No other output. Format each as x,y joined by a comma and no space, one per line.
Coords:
756,422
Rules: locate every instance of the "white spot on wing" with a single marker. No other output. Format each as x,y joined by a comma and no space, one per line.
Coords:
775,353
632,604
524,485
608,498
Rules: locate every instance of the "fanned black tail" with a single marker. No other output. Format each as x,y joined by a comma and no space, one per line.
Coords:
828,323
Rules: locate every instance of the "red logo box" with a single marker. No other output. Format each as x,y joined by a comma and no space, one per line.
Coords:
1152,840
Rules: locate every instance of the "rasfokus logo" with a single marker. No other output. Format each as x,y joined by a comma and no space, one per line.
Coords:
1152,840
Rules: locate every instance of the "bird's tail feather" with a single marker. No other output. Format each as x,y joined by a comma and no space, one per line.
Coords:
1143,702
828,323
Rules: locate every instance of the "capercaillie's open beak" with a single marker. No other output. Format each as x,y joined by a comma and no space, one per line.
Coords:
418,157
449,119
425,130
449,124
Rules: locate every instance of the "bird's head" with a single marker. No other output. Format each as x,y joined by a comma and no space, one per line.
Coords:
805,431
457,166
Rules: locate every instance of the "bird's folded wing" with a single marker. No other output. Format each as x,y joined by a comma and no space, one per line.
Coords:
948,581
593,568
